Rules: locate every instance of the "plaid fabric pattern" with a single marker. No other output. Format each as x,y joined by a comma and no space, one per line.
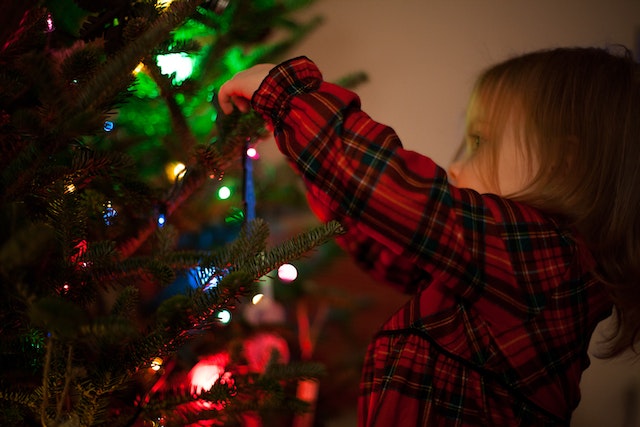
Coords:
504,302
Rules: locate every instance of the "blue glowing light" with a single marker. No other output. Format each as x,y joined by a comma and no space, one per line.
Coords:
109,213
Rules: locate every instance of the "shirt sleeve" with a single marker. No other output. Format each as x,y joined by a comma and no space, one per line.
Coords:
405,223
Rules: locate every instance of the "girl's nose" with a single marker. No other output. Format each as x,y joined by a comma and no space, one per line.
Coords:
453,172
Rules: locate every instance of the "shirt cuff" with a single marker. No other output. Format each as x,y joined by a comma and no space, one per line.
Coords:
290,78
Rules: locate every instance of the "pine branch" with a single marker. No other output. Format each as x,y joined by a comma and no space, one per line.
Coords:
76,310
292,249
192,180
251,241
178,120
130,56
16,25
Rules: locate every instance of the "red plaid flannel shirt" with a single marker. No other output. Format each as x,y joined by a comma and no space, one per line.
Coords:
504,304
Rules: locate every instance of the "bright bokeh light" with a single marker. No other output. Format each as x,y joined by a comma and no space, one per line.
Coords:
206,372
174,170
50,26
179,169
156,364
224,192
287,273
109,213
252,153
257,298
212,283
138,68
224,316
179,63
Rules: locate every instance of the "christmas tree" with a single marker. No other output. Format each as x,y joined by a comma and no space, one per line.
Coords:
94,103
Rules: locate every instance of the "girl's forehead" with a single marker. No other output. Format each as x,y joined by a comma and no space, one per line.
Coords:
493,109
480,119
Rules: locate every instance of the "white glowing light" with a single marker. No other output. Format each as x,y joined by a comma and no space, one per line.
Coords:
179,169
256,298
224,192
252,153
287,273
179,63
224,316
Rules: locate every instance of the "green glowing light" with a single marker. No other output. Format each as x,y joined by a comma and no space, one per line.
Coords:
179,63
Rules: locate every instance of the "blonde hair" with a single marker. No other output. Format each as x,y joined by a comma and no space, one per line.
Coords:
577,113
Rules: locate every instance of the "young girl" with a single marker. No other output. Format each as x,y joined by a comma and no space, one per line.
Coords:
513,257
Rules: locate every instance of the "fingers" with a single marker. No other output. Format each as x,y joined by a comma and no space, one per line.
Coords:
243,104
239,90
226,97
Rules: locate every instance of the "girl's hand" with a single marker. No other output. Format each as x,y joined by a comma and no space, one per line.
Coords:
239,90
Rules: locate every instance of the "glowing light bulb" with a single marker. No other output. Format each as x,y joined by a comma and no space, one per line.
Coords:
179,169
161,220
224,316
109,213
224,192
156,363
108,126
179,64
287,273
70,188
252,153
213,283
138,68
175,170
257,298
50,26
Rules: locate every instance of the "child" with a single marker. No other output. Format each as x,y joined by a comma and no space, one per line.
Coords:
513,257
